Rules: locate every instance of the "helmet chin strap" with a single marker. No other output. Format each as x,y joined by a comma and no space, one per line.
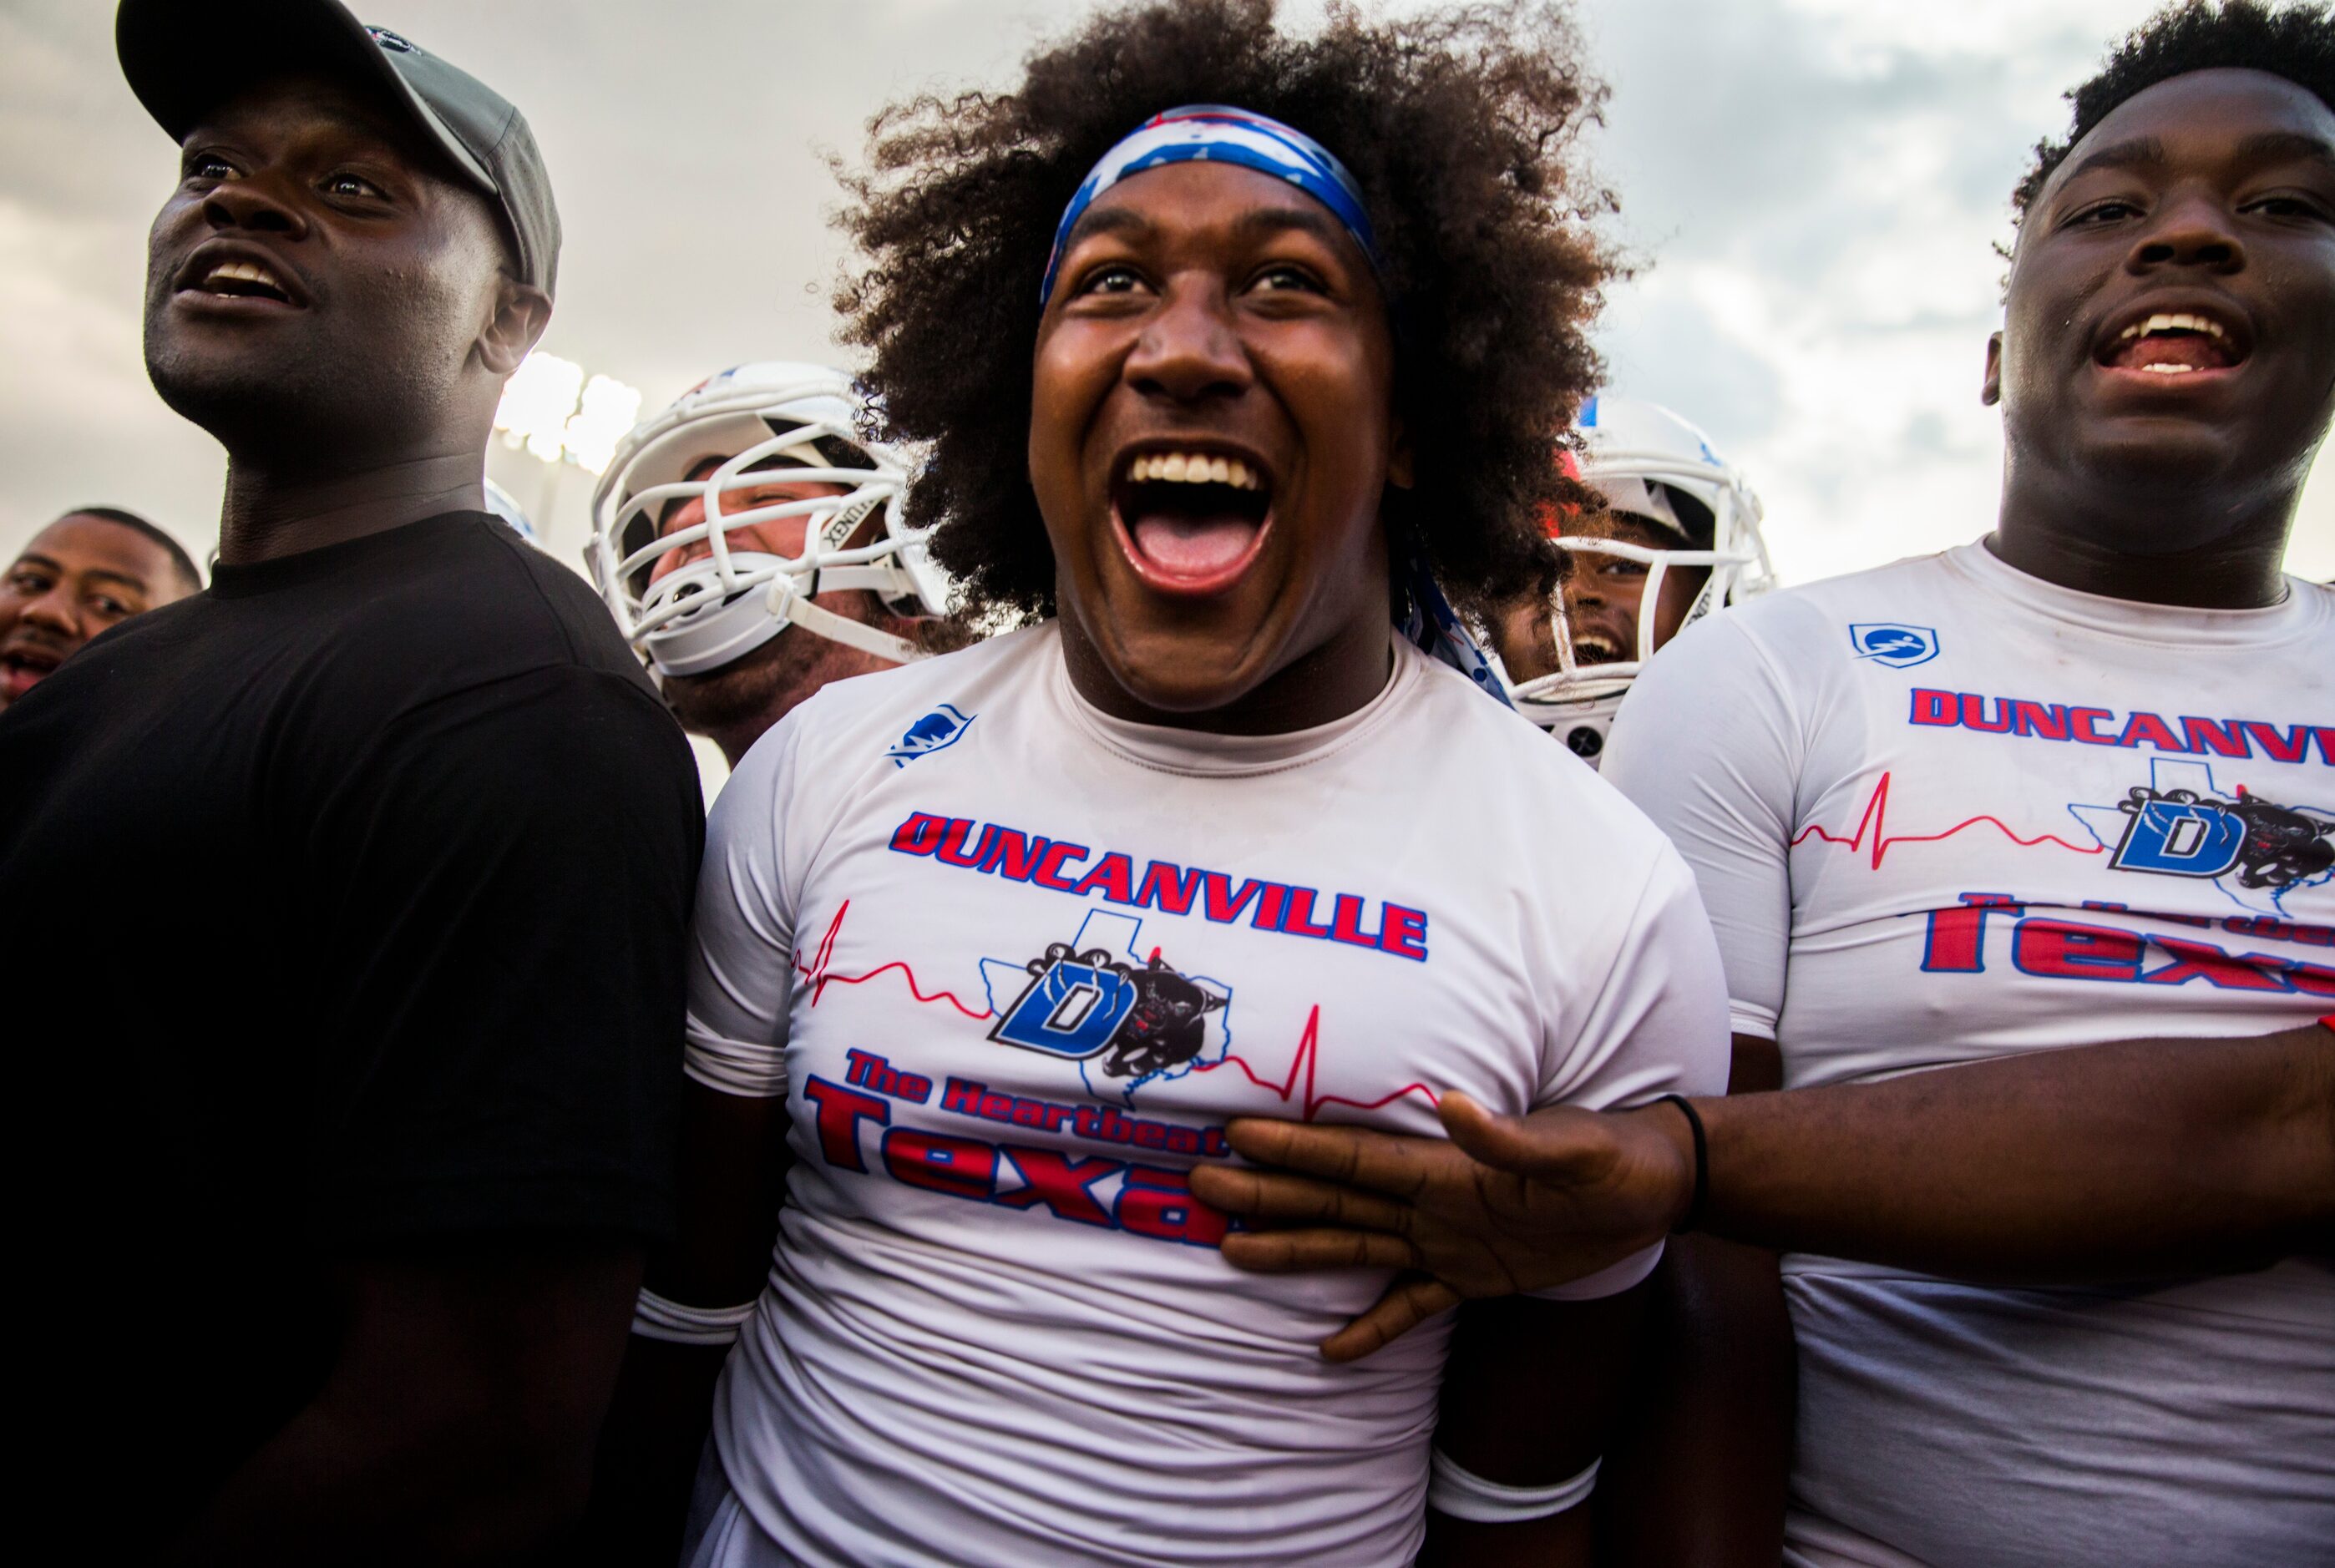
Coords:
797,610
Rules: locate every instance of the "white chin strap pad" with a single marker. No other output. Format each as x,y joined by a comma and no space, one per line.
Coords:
788,608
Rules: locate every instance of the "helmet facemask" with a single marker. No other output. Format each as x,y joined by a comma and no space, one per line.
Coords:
1577,700
712,610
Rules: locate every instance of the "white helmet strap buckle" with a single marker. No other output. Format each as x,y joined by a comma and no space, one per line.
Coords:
795,609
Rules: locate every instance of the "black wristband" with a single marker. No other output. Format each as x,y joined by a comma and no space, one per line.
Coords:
1693,1216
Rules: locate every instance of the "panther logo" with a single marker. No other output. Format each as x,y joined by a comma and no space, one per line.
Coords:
2179,832
1163,1028
1127,1022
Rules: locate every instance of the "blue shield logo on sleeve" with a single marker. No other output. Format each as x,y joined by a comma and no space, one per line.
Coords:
1894,644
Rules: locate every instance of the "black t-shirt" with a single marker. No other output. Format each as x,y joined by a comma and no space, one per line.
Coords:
356,888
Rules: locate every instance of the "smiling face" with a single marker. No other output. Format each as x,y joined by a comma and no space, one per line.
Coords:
1603,596
772,536
79,575
315,273
2170,320
1211,432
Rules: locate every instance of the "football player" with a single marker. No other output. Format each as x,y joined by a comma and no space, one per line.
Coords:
359,1113
990,946
1679,538
93,568
2070,785
753,507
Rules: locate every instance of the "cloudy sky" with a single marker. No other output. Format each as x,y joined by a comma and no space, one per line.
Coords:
1813,187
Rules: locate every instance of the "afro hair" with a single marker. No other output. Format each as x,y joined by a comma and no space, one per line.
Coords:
1463,128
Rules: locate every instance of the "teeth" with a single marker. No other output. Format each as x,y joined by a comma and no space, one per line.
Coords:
2168,369
243,271
1193,468
2162,322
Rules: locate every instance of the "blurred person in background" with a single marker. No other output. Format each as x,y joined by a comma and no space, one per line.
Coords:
749,541
93,568
1679,538
350,1157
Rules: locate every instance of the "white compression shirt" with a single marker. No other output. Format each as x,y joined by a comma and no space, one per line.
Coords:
1013,964
1943,812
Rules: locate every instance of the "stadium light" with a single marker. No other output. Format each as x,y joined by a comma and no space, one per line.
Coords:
551,409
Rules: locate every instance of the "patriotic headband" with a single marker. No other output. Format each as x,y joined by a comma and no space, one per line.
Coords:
1213,133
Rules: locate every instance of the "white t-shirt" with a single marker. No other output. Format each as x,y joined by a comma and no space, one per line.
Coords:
1013,964
1943,812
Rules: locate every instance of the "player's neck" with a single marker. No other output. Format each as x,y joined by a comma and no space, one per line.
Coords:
2123,548
269,512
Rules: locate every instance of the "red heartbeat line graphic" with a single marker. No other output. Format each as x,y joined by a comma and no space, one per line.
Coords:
817,974
1876,817
1309,1051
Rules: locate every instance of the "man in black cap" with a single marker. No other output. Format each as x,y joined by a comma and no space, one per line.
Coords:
368,869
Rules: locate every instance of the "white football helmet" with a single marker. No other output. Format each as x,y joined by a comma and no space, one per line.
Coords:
1636,454
710,612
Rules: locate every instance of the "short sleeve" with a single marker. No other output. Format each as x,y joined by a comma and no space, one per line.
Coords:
1656,1023
1707,746
504,882
741,957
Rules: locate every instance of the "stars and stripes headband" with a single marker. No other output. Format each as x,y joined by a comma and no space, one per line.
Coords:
1216,134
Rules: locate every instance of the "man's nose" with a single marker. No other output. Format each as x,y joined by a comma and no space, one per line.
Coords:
2192,229
255,204
58,610
1189,349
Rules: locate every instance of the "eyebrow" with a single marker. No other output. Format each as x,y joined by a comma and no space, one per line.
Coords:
1106,220
2262,147
2141,152
1268,220
2286,146
35,558
1252,225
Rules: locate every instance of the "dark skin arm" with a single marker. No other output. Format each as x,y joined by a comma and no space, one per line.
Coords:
1531,1394
1698,1471
457,1425
2132,1160
733,1171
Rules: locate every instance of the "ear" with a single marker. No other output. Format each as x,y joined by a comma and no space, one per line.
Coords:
521,313
1990,391
1399,473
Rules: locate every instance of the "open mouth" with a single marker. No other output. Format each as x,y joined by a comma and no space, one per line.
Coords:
22,669
2175,343
236,277
1595,648
1191,519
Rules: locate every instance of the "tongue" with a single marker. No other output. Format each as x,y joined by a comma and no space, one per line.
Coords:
2192,349
1193,547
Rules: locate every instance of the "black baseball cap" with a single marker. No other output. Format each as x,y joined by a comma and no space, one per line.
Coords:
183,60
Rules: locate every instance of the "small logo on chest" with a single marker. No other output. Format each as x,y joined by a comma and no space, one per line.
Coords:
937,731
1894,644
